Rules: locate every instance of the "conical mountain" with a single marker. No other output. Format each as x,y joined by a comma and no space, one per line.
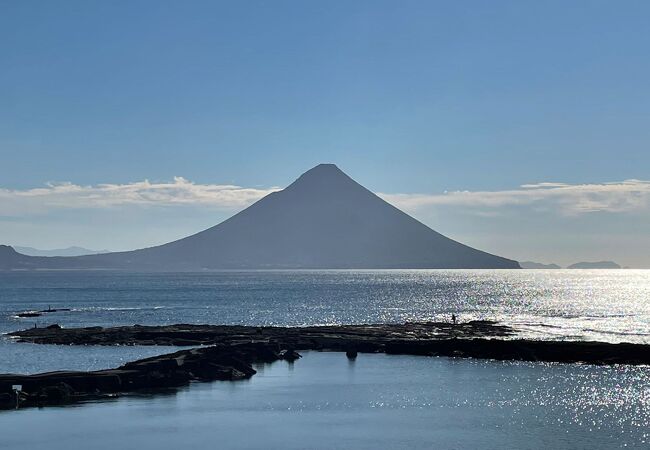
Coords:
322,220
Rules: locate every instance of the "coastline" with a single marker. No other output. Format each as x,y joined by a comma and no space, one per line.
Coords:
228,353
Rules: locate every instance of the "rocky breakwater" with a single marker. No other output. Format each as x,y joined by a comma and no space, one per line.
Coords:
218,362
230,351
335,337
476,339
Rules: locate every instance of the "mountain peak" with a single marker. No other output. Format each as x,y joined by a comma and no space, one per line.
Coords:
326,170
323,220
323,176
326,167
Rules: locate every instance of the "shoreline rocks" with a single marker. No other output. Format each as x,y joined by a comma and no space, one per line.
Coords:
229,352
360,336
29,314
40,312
219,362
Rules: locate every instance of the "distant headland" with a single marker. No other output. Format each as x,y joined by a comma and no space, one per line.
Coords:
578,265
595,265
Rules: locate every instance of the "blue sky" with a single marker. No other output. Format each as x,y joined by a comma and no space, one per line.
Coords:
408,97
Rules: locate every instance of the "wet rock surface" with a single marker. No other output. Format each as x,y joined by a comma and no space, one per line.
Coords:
41,312
29,314
218,362
312,338
228,353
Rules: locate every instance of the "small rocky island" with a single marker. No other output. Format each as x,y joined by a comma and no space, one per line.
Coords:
226,352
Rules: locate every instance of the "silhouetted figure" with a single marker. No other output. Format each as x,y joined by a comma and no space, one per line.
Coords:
453,319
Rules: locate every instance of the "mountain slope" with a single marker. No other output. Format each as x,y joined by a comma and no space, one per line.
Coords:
322,220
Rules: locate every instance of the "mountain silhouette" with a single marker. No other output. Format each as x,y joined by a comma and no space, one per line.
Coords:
323,220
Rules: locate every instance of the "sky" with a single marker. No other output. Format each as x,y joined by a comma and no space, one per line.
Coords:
517,127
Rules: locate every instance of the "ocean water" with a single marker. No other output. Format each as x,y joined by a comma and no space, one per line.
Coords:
605,305
323,401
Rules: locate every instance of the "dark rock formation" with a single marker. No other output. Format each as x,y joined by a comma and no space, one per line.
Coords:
233,349
527,350
477,339
341,337
29,314
289,355
41,312
351,354
219,362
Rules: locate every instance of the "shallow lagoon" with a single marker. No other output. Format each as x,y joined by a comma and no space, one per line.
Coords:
377,401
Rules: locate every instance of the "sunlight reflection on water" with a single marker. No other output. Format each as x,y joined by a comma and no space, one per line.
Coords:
605,305
379,401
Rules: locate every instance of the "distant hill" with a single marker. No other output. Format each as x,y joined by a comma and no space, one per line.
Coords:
323,220
595,265
536,265
70,251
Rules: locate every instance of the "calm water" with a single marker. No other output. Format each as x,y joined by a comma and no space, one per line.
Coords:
600,304
379,401
322,401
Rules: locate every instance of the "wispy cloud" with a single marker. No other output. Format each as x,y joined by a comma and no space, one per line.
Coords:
178,192
567,199
562,198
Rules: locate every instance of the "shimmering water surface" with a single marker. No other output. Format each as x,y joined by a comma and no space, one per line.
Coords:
324,402
379,401
611,305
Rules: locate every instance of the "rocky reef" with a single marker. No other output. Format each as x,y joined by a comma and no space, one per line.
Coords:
228,353
217,362
311,338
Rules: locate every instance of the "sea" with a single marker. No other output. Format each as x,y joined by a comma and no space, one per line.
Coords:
324,401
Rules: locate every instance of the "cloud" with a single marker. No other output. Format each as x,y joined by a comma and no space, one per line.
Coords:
179,192
568,199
